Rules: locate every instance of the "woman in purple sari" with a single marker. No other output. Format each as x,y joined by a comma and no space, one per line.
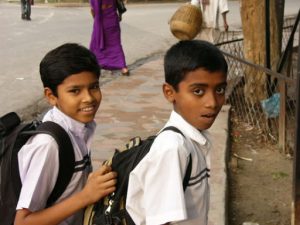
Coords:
106,36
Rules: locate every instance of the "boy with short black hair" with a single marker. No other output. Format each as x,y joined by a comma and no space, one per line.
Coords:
195,75
70,76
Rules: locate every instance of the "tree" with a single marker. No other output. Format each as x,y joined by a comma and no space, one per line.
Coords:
253,14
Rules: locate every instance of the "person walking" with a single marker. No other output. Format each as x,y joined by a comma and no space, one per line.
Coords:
106,36
211,10
26,9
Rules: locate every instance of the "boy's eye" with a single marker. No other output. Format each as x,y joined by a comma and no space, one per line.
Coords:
74,91
221,90
198,92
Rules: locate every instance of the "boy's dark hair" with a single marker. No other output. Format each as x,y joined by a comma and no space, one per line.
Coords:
187,56
64,61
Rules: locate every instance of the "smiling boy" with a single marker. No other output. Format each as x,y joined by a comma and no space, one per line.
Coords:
195,84
70,75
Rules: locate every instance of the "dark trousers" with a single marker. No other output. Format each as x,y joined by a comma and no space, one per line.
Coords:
26,9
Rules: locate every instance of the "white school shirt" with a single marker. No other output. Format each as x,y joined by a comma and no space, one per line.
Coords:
38,164
155,193
211,12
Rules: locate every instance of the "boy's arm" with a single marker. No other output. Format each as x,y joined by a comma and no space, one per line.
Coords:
150,183
100,183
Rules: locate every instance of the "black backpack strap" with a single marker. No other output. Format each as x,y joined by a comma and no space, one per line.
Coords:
188,172
175,129
66,158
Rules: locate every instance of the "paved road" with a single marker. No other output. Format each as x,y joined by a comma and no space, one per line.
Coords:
145,32
24,43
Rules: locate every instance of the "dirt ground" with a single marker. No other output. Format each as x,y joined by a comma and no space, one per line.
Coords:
260,182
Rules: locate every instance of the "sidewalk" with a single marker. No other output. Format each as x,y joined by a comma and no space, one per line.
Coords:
135,106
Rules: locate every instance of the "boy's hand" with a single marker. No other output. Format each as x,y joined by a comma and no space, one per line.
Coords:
99,184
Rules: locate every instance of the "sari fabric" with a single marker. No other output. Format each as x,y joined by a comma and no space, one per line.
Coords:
106,36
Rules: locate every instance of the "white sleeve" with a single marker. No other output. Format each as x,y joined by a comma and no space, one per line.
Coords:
38,166
195,3
159,176
223,6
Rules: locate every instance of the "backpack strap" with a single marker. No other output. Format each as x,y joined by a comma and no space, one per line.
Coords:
188,172
66,157
175,129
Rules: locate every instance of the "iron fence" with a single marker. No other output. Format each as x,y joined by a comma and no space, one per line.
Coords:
274,116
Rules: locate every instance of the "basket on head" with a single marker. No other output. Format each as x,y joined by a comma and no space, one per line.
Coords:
186,22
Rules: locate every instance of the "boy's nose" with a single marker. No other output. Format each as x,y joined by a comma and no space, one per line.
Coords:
211,101
88,97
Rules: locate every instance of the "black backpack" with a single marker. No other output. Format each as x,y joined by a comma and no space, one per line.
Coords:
111,210
13,135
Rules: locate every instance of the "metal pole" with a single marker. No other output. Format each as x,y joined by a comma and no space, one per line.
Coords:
280,18
267,39
296,180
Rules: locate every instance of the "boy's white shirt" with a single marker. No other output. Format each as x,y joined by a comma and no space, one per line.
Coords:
210,14
38,164
155,193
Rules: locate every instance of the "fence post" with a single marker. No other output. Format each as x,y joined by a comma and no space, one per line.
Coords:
282,85
282,116
296,177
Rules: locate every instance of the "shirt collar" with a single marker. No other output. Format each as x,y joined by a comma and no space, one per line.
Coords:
79,129
187,129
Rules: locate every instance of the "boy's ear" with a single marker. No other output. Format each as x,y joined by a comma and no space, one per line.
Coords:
169,92
51,98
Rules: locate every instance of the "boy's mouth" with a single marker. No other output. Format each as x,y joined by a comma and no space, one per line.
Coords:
88,109
209,115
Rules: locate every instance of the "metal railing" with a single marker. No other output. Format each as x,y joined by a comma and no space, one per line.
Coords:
274,117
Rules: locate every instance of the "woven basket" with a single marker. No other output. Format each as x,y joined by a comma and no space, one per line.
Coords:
186,22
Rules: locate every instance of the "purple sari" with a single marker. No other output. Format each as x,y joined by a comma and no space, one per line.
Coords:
106,35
